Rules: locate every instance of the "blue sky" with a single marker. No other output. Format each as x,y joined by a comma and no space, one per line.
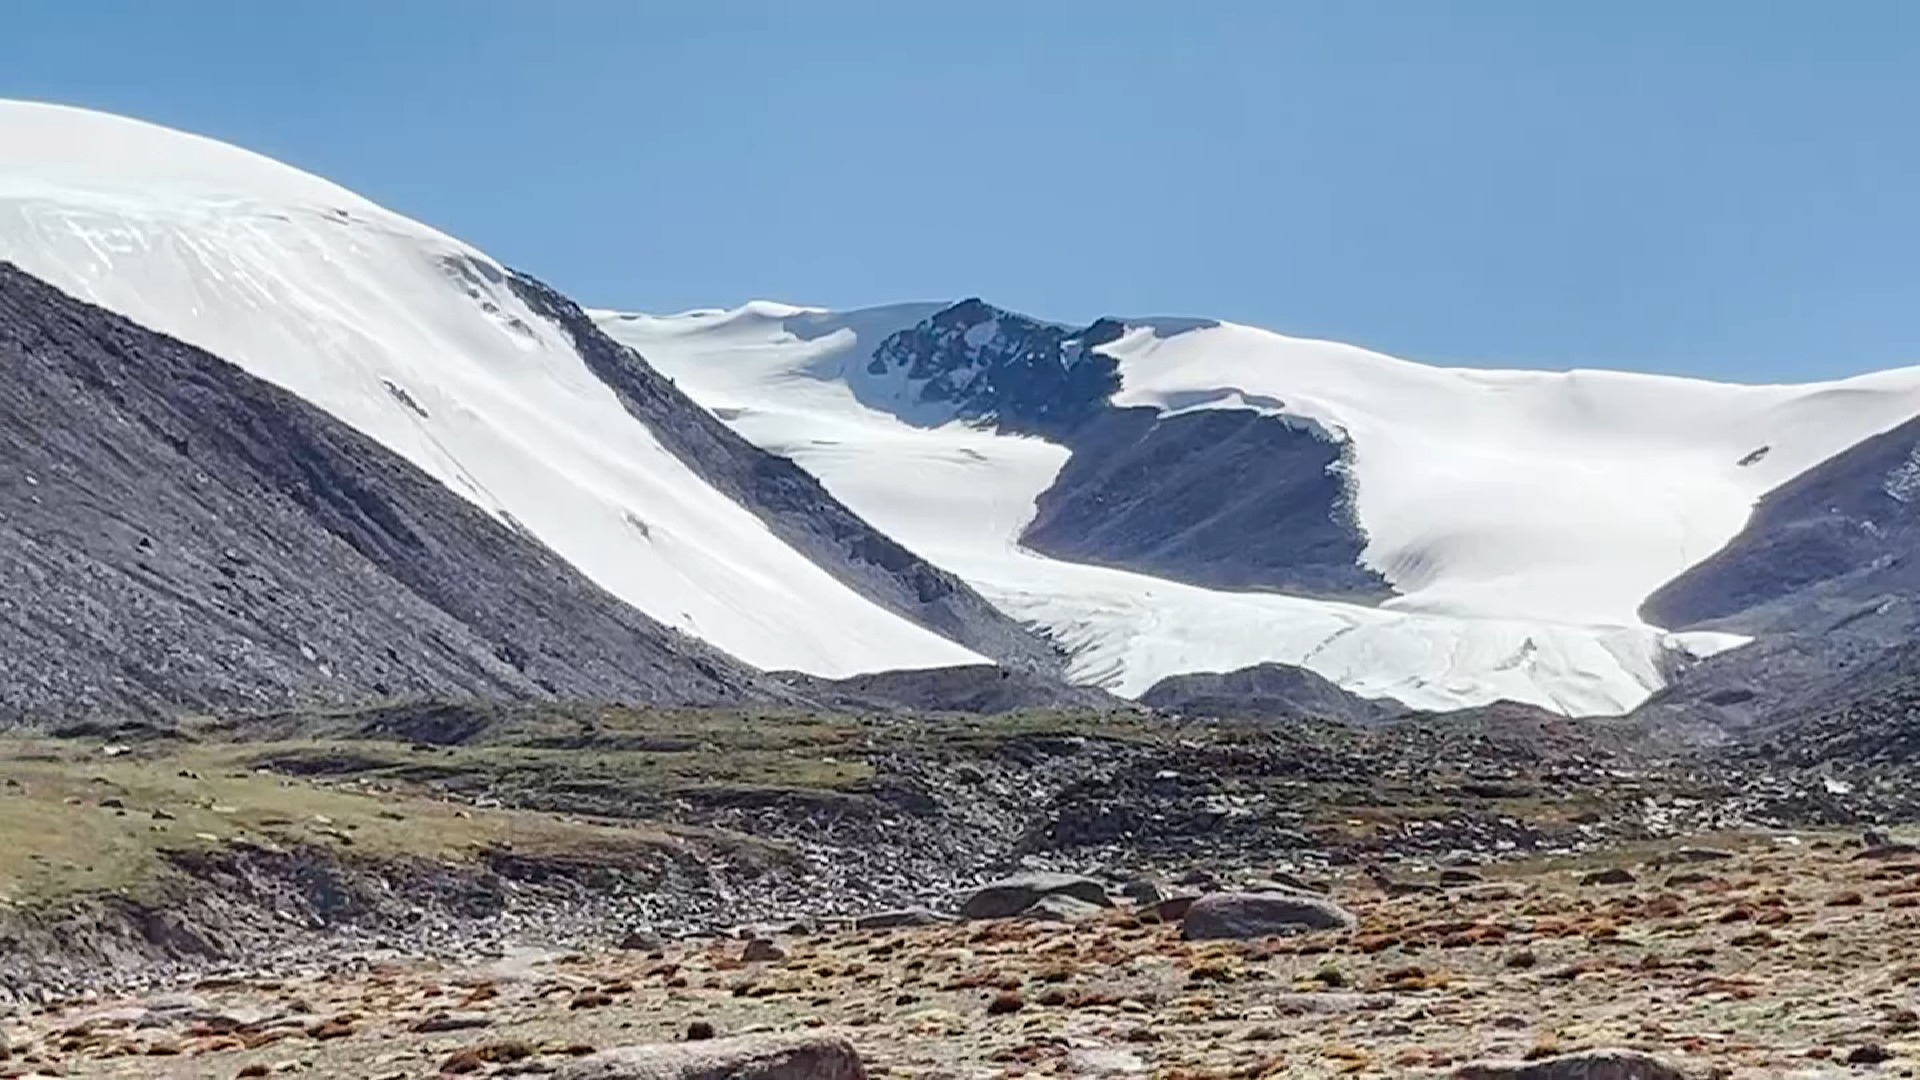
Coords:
1718,187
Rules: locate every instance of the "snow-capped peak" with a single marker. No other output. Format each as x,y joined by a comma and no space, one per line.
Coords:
975,362
426,345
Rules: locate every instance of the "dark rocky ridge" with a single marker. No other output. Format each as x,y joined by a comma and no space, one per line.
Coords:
979,688
176,534
792,503
1222,498
1873,719
1826,576
1843,533
1266,692
1226,499
992,366
1777,675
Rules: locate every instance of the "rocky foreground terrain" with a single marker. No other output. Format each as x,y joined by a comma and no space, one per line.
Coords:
425,890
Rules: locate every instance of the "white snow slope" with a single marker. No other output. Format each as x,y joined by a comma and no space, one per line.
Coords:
1522,516
416,340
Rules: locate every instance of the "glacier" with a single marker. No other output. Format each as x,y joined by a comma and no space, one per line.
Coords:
1520,516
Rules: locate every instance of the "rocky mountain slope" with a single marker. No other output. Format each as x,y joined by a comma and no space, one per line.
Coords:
1827,546
1824,576
178,535
1265,691
1867,715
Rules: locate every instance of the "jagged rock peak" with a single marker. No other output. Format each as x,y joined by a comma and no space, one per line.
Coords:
983,364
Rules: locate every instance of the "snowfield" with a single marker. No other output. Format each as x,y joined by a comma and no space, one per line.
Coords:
1522,516
417,340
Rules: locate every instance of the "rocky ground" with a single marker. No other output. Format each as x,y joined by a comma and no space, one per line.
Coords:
429,889
1752,954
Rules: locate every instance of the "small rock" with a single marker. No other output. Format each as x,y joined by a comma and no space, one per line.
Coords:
1104,1061
336,1028
1241,916
700,1031
757,1057
1687,877
1613,875
1143,891
762,951
472,1059
1696,855
1583,1065
1008,1001
642,941
452,1021
1870,1054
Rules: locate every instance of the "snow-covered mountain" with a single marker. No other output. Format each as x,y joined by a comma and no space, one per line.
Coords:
471,373
916,486
1167,496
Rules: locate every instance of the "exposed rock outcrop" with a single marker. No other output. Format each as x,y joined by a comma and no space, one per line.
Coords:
177,534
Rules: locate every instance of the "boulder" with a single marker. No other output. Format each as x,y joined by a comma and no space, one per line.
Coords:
1583,1065
1242,916
1144,891
1012,896
753,1057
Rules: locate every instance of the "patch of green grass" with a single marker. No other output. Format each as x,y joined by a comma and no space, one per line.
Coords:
75,821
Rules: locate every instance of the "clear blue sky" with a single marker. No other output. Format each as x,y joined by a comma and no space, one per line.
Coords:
1718,187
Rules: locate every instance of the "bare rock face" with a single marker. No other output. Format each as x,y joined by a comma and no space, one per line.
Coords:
1265,691
1242,916
754,1057
177,535
1584,1065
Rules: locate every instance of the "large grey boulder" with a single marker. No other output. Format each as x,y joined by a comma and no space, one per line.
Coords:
1012,896
1583,1065
752,1057
1242,916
